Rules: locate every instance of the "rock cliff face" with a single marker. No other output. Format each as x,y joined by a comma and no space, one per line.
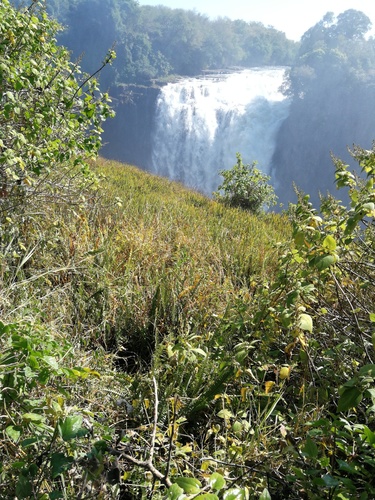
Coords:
127,137
312,132
330,121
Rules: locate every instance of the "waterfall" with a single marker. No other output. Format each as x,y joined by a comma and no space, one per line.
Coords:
201,123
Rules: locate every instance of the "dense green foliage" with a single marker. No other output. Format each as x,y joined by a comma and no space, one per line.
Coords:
330,49
50,125
153,42
168,346
245,186
45,113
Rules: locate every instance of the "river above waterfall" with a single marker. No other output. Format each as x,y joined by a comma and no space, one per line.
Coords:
201,123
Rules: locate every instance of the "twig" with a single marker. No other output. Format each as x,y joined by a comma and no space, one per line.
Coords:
154,429
171,437
355,317
147,464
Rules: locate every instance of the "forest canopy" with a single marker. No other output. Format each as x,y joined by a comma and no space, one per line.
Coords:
154,42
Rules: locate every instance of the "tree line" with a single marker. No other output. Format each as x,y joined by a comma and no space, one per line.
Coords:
156,42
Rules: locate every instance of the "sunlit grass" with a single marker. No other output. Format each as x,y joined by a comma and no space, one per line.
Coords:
178,258
161,282
166,261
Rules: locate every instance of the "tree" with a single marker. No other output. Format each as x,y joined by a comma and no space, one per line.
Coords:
246,187
331,86
353,24
140,63
50,114
96,26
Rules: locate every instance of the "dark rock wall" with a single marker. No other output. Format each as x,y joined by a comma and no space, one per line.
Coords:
127,137
314,130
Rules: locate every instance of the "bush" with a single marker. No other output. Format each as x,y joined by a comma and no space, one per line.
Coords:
246,187
50,114
44,438
50,125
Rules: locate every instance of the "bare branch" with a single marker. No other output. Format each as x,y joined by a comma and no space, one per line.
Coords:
148,464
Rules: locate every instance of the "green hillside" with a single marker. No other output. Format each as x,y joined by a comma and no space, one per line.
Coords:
104,297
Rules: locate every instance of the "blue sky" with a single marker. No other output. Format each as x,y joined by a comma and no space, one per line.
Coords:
293,17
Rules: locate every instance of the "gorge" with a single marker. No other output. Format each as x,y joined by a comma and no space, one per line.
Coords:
191,129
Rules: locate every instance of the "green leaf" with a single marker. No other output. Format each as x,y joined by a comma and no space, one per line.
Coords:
350,398
33,418
310,449
190,485
299,238
33,362
5,328
23,488
175,493
367,371
371,393
265,495
324,262
207,496
216,481
55,495
329,243
292,297
51,361
305,322
13,432
60,463
345,466
44,376
18,465
198,350
330,481
240,356
226,414
372,317
28,442
71,428
370,436
234,494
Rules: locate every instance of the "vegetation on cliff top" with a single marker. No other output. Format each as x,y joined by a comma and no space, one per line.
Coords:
156,41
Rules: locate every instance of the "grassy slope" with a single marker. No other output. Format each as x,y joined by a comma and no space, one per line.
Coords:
158,286
180,259
169,293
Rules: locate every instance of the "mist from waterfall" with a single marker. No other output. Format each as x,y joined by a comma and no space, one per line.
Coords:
201,123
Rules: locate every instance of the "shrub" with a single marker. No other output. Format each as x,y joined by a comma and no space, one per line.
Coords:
50,114
245,186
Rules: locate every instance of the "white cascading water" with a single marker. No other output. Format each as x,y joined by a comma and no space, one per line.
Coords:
201,123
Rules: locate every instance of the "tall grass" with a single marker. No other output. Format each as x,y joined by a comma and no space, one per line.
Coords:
177,260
